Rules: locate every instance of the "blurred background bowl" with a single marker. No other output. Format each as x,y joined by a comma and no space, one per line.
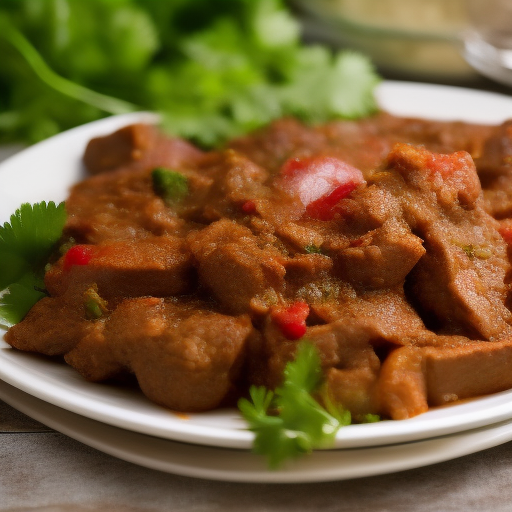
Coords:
410,39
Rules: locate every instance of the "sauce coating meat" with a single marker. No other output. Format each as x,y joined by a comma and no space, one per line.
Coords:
385,242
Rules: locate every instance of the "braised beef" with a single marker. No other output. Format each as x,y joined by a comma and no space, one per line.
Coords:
378,240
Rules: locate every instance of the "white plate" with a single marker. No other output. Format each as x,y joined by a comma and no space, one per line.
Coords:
46,170
241,466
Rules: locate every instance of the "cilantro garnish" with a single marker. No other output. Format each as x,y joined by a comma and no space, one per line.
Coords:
95,306
313,249
26,243
215,70
170,185
300,424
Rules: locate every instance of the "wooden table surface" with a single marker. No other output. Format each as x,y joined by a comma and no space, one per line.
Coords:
44,470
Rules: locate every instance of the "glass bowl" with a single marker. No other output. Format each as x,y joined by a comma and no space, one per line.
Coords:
420,39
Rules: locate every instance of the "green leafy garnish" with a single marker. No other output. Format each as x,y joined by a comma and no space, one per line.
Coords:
474,251
95,306
371,418
170,185
300,424
26,243
313,249
215,70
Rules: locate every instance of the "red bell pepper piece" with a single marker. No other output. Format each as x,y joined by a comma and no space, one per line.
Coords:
320,182
77,255
249,207
291,320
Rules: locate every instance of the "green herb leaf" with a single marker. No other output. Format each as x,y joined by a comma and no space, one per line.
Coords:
371,418
33,230
171,185
215,70
17,299
26,243
313,249
95,306
300,424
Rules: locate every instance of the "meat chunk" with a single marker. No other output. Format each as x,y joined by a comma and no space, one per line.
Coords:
495,171
354,389
158,266
380,317
349,362
468,370
460,281
402,388
233,267
413,379
463,291
139,145
452,178
186,358
383,258
496,155
51,327
119,205
119,201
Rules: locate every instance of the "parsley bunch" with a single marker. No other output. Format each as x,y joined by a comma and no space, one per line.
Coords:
215,70
26,243
300,424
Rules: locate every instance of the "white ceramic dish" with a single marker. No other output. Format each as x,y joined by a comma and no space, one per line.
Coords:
46,170
241,466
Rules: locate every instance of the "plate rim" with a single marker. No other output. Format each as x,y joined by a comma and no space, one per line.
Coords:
228,465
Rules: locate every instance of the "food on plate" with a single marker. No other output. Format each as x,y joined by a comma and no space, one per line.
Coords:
383,242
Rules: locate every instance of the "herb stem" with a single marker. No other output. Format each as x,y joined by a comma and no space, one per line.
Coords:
105,103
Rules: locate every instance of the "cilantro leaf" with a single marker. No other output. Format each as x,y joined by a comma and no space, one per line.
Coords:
33,230
26,243
18,298
171,185
301,423
214,70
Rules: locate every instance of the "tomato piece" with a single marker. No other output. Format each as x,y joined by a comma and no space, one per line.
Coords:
506,232
77,255
323,208
291,320
249,207
320,182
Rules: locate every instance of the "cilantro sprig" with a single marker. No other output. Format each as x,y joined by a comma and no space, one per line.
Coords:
215,70
171,185
290,422
26,243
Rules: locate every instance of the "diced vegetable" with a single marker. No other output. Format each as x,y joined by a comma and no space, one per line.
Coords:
320,182
78,255
291,320
95,306
313,249
505,230
249,207
475,251
170,185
